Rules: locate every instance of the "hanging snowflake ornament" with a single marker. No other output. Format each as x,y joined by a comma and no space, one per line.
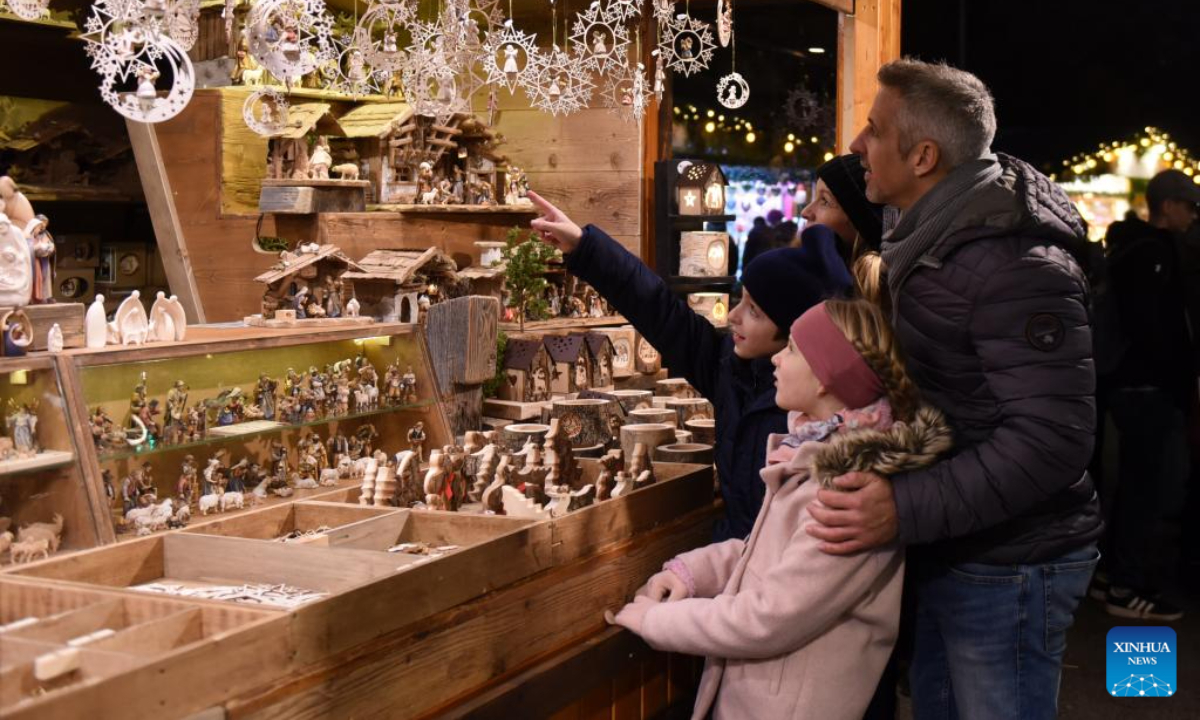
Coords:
622,10
350,73
660,75
686,44
144,74
510,57
290,38
664,10
733,91
134,90
627,93
432,86
455,39
724,21
563,83
266,112
29,9
382,34
603,38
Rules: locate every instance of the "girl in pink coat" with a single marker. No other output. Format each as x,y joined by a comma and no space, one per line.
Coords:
790,631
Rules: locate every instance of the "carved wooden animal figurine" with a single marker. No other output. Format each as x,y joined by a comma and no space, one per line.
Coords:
623,486
485,467
51,532
231,500
6,539
346,171
28,550
493,498
640,468
210,503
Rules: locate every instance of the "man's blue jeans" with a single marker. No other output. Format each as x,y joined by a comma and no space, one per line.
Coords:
990,638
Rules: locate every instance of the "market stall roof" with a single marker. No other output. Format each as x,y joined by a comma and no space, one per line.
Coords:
400,266
291,263
373,120
302,118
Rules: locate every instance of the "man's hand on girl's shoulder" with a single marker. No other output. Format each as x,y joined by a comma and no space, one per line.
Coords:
859,515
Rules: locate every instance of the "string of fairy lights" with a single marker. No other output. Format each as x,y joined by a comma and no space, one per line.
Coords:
1153,145
719,121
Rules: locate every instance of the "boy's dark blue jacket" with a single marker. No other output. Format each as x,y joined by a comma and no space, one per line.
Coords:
742,391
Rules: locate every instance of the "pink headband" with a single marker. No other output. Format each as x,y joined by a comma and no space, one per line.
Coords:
834,360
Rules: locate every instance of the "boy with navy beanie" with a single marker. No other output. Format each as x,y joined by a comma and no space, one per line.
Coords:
733,371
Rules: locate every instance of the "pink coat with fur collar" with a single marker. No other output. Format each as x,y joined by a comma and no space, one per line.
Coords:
789,631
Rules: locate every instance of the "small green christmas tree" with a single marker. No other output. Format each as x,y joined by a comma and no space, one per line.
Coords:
524,281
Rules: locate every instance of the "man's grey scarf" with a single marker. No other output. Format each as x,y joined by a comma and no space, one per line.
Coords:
908,237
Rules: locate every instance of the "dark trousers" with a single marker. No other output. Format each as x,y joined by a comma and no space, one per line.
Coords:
1152,461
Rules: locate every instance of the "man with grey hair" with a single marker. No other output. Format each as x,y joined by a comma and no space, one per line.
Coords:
991,312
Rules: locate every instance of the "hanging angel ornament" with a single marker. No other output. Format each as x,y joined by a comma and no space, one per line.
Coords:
660,75
510,57
732,90
627,93
563,82
602,37
432,86
145,75
265,112
290,38
686,44
381,33
351,74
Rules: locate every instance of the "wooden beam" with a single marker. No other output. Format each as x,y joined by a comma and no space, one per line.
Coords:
172,246
867,39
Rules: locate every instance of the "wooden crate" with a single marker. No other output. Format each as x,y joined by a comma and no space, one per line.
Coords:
163,653
275,522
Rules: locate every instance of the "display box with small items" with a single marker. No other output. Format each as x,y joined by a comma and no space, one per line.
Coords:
45,505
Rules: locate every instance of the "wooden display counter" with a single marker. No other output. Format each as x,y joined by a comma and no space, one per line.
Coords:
395,635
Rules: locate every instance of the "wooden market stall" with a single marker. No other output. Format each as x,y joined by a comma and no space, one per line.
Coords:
503,616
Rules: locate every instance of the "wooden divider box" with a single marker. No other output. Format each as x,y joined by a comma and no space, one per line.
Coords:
136,656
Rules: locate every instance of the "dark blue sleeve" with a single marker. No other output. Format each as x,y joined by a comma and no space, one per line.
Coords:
688,343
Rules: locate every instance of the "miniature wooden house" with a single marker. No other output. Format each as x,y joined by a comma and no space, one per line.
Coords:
300,279
464,166
700,189
572,363
390,284
601,353
370,128
483,281
527,371
624,344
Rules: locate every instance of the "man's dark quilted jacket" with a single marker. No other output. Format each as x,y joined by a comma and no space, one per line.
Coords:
994,322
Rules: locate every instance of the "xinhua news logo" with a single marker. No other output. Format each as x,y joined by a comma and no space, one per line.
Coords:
1141,662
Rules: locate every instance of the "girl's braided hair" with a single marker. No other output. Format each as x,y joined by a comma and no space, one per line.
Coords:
864,325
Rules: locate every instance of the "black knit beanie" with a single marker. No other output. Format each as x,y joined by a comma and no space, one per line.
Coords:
782,284
844,176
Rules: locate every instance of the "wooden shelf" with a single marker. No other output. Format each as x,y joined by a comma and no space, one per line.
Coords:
45,460
6,16
408,208
226,436
77,193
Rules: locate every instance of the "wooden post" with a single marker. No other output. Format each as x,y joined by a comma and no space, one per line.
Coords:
167,228
868,37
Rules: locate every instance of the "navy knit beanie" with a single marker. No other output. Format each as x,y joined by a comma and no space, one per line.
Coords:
783,285
846,179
